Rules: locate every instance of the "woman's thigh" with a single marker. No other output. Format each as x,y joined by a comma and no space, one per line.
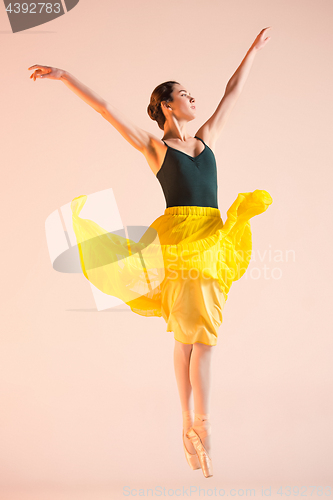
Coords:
203,350
182,348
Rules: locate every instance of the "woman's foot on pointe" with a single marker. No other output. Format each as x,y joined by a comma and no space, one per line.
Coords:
200,437
203,427
188,417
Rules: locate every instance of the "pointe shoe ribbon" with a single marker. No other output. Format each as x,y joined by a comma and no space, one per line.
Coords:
188,417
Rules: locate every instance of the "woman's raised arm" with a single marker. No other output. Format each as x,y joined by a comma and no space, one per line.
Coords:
138,138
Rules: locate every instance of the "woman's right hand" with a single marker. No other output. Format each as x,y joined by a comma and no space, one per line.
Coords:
46,72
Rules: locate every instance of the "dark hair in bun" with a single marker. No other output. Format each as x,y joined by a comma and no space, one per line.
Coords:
161,93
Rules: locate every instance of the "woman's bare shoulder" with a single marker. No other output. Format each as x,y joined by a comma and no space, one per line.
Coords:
204,134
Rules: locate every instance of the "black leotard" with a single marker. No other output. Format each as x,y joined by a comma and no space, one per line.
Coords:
188,180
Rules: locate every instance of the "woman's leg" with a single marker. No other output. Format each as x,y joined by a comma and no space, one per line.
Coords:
200,379
182,355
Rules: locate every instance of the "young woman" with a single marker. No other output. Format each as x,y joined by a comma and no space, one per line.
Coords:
192,237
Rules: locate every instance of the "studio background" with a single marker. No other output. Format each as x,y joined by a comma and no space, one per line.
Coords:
89,399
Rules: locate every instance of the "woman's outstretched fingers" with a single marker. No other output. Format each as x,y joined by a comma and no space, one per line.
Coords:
35,75
45,71
37,72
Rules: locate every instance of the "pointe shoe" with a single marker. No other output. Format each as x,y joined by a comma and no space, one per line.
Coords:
192,460
204,458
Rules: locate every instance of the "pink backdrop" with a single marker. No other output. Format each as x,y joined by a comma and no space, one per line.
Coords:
89,399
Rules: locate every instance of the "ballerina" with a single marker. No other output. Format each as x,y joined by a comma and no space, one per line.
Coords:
191,232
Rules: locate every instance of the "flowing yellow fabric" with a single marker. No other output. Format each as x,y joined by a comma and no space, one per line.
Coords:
183,266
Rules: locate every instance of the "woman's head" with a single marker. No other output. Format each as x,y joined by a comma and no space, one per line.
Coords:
162,97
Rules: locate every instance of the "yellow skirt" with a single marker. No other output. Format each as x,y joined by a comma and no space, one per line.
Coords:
181,269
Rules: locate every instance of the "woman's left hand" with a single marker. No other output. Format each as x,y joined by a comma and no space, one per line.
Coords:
261,41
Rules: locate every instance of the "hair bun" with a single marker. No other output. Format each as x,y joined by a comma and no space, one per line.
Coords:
162,92
154,109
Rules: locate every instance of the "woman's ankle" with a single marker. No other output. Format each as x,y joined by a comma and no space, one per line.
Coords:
202,424
188,419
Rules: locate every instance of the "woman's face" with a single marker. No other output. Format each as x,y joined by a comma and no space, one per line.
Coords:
183,105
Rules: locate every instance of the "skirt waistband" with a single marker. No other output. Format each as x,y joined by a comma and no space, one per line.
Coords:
193,210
